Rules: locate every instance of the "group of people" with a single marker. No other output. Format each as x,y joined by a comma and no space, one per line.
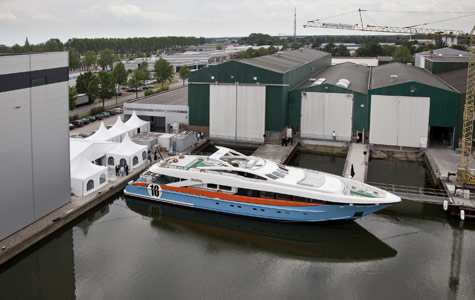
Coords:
122,169
287,140
200,135
149,156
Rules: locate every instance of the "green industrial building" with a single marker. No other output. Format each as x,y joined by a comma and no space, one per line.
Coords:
244,99
393,104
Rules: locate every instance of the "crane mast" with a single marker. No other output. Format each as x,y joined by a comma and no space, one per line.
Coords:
464,173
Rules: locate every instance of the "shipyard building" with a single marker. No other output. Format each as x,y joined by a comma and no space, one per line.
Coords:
34,156
395,105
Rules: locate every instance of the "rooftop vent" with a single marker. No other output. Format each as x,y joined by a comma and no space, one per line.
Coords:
312,80
343,83
301,49
393,77
279,53
319,81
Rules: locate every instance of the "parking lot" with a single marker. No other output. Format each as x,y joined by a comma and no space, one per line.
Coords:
95,125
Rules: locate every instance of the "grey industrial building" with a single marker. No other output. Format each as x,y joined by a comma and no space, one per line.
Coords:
34,152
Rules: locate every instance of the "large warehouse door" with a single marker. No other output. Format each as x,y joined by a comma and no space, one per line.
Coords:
323,113
399,121
251,112
222,111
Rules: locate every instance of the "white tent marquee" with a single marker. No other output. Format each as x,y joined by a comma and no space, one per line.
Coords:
127,152
91,150
119,130
137,124
87,177
102,134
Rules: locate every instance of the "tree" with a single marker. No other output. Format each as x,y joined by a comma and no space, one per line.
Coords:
330,48
93,88
106,58
403,55
120,76
144,68
342,51
90,58
106,86
135,83
370,50
82,82
74,59
184,72
163,70
73,95
53,45
389,50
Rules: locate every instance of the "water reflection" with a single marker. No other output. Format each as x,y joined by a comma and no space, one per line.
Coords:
45,271
324,163
337,242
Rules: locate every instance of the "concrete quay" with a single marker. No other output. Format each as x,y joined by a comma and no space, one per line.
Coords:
276,152
358,157
441,162
33,233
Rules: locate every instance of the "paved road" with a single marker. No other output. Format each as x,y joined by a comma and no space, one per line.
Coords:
126,96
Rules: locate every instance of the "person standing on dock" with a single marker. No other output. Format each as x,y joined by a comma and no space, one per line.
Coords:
126,170
117,170
122,170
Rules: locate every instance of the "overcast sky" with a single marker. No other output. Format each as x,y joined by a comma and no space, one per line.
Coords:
40,20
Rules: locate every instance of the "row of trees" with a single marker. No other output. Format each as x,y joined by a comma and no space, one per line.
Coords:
250,52
102,85
122,46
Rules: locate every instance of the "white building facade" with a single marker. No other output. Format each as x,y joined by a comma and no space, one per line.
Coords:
34,135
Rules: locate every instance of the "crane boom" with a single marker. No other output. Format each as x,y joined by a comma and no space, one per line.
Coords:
391,29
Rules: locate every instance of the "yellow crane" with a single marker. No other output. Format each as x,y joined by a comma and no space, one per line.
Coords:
464,173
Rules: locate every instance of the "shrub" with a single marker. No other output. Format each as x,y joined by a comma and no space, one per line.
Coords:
97,110
72,118
164,88
149,92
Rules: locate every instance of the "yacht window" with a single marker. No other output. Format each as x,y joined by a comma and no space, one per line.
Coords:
212,186
272,176
299,199
225,187
283,197
267,195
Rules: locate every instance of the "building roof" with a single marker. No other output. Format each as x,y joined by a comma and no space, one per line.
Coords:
456,78
355,73
177,96
385,75
448,58
444,52
285,61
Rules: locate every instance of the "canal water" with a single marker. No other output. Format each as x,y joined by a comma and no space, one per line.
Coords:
133,249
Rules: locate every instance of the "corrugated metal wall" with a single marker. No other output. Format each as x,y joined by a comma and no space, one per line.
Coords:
399,121
251,108
323,113
222,115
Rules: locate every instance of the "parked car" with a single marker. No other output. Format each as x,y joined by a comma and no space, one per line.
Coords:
78,123
85,121
119,110
99,117
106,114
91,118
84,135
71,126
130,89
76,137
111,112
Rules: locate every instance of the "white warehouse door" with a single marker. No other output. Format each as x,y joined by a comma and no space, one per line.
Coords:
251,112
399,120
222,111
323,113
237,112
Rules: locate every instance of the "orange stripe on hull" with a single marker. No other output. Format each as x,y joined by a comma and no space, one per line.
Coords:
229,197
